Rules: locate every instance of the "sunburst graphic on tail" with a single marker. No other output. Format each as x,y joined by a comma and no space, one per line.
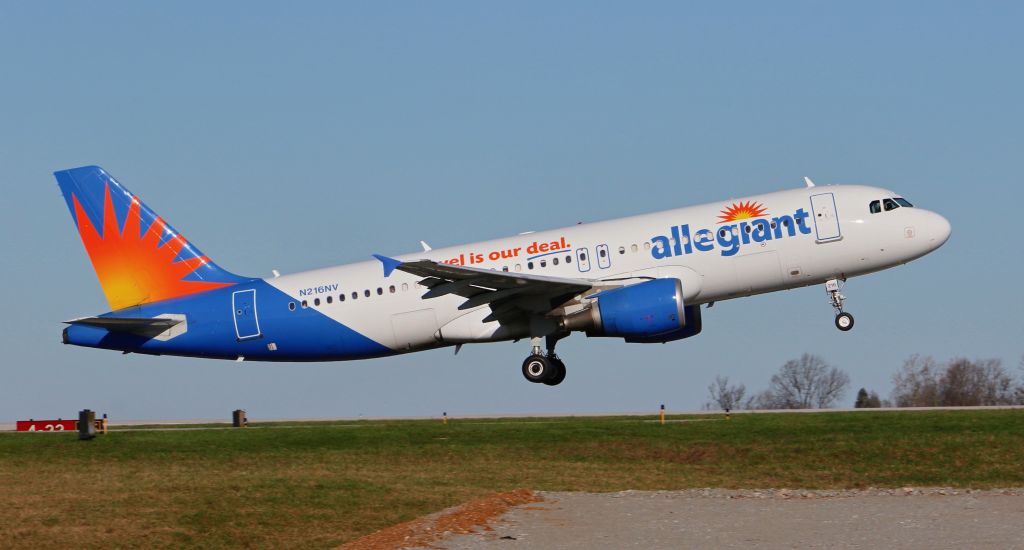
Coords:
742,211
134,268
138,257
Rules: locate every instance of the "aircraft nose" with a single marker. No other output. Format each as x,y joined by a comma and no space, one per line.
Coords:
939,229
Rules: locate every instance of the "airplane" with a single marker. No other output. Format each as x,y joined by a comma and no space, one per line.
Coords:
641,278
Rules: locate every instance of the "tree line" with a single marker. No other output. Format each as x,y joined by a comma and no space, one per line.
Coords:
809,382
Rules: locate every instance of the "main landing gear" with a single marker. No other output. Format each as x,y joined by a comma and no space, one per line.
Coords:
844,321
544,368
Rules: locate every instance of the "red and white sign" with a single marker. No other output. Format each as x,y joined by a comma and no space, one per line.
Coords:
47,425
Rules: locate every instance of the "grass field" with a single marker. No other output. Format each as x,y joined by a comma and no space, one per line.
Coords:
318,485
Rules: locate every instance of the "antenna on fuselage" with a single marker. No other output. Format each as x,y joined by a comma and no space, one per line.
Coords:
808,182
426,247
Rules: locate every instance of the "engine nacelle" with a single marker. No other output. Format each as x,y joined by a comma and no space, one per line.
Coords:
648,312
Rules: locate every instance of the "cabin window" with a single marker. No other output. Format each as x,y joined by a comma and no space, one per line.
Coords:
602,252
554,261
568,259
634,248
647,245
330,299
519,267
291,306
405,286
504,268
583,256
391,289
355,295
380,291
316,302
543,263
622,250
529,265
366,293
341,297
889,204
305,304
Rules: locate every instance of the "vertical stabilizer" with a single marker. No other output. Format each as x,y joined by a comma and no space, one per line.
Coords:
138,257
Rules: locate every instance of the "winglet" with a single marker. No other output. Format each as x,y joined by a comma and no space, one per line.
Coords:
808,182
389,264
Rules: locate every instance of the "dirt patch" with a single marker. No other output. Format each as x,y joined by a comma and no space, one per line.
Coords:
464,519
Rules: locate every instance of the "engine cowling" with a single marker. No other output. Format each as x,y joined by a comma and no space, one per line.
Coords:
648,312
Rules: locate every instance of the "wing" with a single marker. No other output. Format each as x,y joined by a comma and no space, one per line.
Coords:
510,295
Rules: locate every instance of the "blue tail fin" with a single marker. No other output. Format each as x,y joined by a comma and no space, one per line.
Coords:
138,257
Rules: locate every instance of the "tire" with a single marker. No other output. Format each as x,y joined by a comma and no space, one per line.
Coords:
537,368
558,373
844,321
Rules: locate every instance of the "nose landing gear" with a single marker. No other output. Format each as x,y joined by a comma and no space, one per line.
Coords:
844,321
544,368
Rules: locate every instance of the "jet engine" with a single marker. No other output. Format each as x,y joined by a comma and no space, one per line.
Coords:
648,312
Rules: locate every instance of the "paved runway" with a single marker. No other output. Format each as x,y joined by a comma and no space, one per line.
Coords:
715,518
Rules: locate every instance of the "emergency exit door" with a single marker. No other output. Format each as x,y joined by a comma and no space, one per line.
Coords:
826,218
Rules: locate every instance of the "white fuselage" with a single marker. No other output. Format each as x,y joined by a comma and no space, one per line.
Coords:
839,237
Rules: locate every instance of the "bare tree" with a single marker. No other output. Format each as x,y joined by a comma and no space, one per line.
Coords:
917,383
762,401
804,383
726,396
959,383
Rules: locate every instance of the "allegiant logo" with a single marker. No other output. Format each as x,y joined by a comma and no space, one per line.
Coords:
729,238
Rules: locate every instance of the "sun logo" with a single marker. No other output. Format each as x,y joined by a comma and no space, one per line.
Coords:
742,211
135,267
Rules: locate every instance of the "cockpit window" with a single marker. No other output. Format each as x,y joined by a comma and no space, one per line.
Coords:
903,202
875,207
889,204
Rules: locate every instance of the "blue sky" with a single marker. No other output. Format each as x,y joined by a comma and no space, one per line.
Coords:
299,135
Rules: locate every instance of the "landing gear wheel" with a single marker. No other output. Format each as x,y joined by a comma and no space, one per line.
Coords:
844,321
558,373
537,368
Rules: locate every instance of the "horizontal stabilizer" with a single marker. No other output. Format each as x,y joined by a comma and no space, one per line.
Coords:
130,325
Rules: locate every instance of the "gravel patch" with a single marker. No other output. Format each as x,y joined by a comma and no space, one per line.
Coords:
905,517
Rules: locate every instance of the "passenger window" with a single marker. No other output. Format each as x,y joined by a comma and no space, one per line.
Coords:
634,248
543,263
554,261
305,304
291,306
391,289
366,293
341,297
602,252
875,207
405,286
647,245
889,204
519,267
380,291
355,295
529,265
330,299
504,268
568,259
622,250
316,302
